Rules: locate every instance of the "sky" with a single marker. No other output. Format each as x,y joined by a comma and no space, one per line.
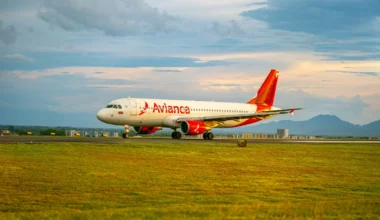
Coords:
67,59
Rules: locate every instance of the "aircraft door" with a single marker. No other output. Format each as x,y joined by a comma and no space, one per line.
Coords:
134,108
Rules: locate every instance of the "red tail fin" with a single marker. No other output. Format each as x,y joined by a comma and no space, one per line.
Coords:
267,91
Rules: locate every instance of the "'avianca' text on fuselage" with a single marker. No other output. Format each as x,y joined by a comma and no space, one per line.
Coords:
192,117
171,109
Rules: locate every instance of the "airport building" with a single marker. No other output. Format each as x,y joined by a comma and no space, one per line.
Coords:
5,132
272,136
283,133
247,135
260,136
236,135
72,133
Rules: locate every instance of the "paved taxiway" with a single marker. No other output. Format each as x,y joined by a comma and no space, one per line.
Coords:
40,139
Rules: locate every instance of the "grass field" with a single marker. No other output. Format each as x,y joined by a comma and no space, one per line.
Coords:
175,181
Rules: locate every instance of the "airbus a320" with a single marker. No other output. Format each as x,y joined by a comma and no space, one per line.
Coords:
146,116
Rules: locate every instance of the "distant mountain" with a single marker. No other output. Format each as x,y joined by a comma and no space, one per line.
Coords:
329,125
372,126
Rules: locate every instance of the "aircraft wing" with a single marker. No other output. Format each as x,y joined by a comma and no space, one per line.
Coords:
239,116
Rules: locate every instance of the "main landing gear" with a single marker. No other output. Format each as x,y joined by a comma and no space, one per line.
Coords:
208,135
126,132
176,135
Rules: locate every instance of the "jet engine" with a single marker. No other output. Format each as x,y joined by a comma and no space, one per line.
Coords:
193,127
145,129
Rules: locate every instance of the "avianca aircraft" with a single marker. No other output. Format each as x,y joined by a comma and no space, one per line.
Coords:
192,117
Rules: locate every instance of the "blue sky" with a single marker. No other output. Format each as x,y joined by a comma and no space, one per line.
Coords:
72,57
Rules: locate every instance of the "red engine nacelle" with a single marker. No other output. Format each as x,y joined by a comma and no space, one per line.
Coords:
144,129
193,127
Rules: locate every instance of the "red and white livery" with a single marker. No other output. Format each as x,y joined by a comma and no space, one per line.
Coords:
192,117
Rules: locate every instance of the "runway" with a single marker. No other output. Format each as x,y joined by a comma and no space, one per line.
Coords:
41,139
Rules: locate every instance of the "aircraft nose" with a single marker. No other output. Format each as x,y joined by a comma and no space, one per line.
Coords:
101,115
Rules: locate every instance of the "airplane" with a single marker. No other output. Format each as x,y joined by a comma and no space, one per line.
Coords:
146,116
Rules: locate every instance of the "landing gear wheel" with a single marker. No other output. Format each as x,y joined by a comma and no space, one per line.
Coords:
176,135
205,135
208,136
125,135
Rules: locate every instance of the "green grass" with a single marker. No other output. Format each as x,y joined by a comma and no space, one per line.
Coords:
142,180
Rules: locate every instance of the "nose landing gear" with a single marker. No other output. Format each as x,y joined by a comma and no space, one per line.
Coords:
126,132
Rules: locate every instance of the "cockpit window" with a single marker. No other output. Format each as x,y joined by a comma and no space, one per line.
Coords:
114,106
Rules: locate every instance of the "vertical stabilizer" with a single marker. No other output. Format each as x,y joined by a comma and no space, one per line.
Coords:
265,95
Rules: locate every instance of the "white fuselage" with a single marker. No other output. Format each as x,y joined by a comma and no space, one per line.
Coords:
163,113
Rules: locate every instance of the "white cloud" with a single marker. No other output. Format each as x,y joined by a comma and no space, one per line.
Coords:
106,86
17,58
113,17
298,70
